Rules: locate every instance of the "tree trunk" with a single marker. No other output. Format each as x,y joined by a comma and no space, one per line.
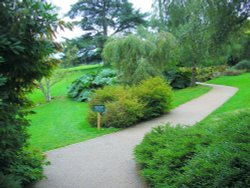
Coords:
48,96
193,77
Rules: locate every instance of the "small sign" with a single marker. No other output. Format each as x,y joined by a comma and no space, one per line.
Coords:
99,108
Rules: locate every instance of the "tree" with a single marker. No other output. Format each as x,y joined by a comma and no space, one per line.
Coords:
204,28
46,83
137,58
27,30
107,17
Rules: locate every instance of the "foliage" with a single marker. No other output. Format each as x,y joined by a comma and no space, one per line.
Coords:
244,64
82,50
138,58
233,72
82,88
122,109
100,17
9,181
27,168
212,154
127,106
178,78
27,29
206,30
155,95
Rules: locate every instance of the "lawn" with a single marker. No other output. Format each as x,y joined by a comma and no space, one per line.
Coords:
241,99
62,121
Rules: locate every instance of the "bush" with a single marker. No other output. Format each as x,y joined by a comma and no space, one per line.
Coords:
9,181
233,72
122,110
243,65
82,88
181,78
209,154
155,94
127,106
178,78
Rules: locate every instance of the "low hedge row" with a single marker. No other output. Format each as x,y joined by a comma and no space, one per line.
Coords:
127,106
209,154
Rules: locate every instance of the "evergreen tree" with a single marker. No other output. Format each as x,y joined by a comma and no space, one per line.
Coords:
26,39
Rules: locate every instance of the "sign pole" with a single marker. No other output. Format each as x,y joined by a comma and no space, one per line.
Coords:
98,120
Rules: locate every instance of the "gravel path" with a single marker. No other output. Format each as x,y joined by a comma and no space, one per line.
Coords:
107,161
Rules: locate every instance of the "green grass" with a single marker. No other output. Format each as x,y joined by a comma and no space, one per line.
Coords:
62,121
61,88
184,95
241,99
59,123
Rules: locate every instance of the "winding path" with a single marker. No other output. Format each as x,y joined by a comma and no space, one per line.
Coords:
107,161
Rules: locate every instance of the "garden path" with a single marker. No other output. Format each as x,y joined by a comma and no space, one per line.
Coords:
107,161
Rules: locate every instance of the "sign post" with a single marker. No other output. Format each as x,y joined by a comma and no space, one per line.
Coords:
99,109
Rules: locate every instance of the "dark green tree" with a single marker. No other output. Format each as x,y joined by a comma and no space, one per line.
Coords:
26,39
101,19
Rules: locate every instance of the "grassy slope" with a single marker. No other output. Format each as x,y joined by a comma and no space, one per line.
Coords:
63,121
241,99
184,95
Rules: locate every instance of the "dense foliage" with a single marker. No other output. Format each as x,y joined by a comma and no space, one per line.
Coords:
209,32
138,58
210,154
126,106
82,88
26,38
155,95
243,65
101,19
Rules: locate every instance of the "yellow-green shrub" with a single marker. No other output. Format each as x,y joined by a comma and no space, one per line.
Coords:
155,94
122,110
127,106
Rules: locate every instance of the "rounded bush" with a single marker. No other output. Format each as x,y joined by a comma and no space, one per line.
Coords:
243,65
122,110
155,94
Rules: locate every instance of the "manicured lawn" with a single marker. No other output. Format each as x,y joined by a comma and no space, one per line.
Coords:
241,99
183,95
62,121
61,88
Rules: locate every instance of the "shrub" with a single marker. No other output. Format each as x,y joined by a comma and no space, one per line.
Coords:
9,181
178,78
210,154
82,88
127,106
233,72
155,94
242,65
122,110
27,168
181,77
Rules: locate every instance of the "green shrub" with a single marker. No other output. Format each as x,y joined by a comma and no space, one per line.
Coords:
27,168
155,94
82,88
9,181
178,78
207,73
127,106
233,72
181,77
209,154
122,110
243,65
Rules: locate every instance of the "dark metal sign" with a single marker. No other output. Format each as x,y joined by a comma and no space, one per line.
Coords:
99,108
